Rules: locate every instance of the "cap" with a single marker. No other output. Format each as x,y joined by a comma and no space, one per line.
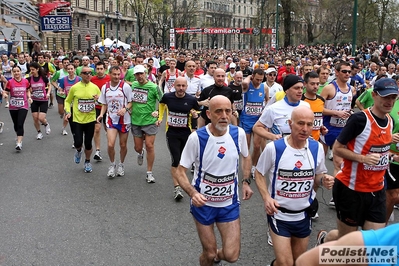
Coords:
139,69
85,57
288,62
232,65
385,87
291,80
270,70
167,59
329,59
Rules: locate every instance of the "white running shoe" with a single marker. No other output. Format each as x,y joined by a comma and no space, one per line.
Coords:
39,136
330,155
64,132
111,171
19,146
48,129
1,127
120,171
150,178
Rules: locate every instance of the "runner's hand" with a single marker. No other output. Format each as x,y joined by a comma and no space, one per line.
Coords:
246,191
99,118
271,206
155,114
395,138
371,159
328,181
198,200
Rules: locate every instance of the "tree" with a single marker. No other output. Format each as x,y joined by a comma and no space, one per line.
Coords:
183,16
287,8
337,18
311,14
141,9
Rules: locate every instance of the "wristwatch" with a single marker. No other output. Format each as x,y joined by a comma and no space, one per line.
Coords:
246,180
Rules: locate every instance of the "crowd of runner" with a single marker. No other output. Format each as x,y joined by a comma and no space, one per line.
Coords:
289,105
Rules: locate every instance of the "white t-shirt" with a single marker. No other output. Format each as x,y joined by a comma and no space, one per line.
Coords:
291,182
276,116
273,89
116,99
217,178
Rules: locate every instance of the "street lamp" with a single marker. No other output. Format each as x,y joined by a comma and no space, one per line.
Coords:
106,22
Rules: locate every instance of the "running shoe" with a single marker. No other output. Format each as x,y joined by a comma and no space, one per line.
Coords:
78,156
7,104
178,193
269,238
73,146
97,156
1,127
330,155
51,106
64,132
331,203
140,158
48,129
111,171
39,136
320,237
150,178
396,206
120,171
19,146
315,216
88,167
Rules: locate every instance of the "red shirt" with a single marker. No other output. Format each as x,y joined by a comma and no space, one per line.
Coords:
100,82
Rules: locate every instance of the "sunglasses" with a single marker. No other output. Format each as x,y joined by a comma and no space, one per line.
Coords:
86,73
346,71
272,74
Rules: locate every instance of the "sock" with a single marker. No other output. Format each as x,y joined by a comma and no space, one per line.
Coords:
149,172
87,161
39,131
45,124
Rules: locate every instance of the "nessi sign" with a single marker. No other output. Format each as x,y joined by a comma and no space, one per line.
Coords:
56,23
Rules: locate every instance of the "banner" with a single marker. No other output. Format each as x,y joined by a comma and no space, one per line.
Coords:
221,31
47,8
56,23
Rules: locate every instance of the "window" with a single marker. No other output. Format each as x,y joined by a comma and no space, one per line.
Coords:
77,3
88,23
87,3
125,10
234,8
103,5
245,10
95,24
132,27
110,26
77,22
239,9
126,26
111,7
95,2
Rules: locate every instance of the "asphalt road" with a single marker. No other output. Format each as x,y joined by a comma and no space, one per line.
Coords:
52,213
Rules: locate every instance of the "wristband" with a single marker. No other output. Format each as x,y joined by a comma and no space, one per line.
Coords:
321,181
246,180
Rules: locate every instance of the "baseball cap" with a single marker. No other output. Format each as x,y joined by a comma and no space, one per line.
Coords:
85,57
288,62
270,70
139,69
385,87
232,65
291,80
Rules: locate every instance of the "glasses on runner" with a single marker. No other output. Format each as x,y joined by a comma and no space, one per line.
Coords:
272,74
86,73
346,71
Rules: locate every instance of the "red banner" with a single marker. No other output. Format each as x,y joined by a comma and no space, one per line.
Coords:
46,8
222,31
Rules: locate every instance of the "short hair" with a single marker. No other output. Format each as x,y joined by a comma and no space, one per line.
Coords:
114,68
100,63
211,63
310,75
339,65
258,71
322,68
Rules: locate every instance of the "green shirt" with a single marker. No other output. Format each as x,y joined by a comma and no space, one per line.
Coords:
81,96
395,117
366,99
59,75
321,86
130,75
144,102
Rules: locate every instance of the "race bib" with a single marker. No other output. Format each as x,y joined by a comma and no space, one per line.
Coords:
254,109
383,163
238,104
177,119
338,122
294,184
38,94
86,105
17,102
318,121
140,96
218,188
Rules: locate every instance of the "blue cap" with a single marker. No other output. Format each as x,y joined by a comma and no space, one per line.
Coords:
385,87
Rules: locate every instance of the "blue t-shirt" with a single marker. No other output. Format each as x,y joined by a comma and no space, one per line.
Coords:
388,236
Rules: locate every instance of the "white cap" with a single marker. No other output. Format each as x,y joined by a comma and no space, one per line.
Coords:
85,57
270,70
232,65
139,69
